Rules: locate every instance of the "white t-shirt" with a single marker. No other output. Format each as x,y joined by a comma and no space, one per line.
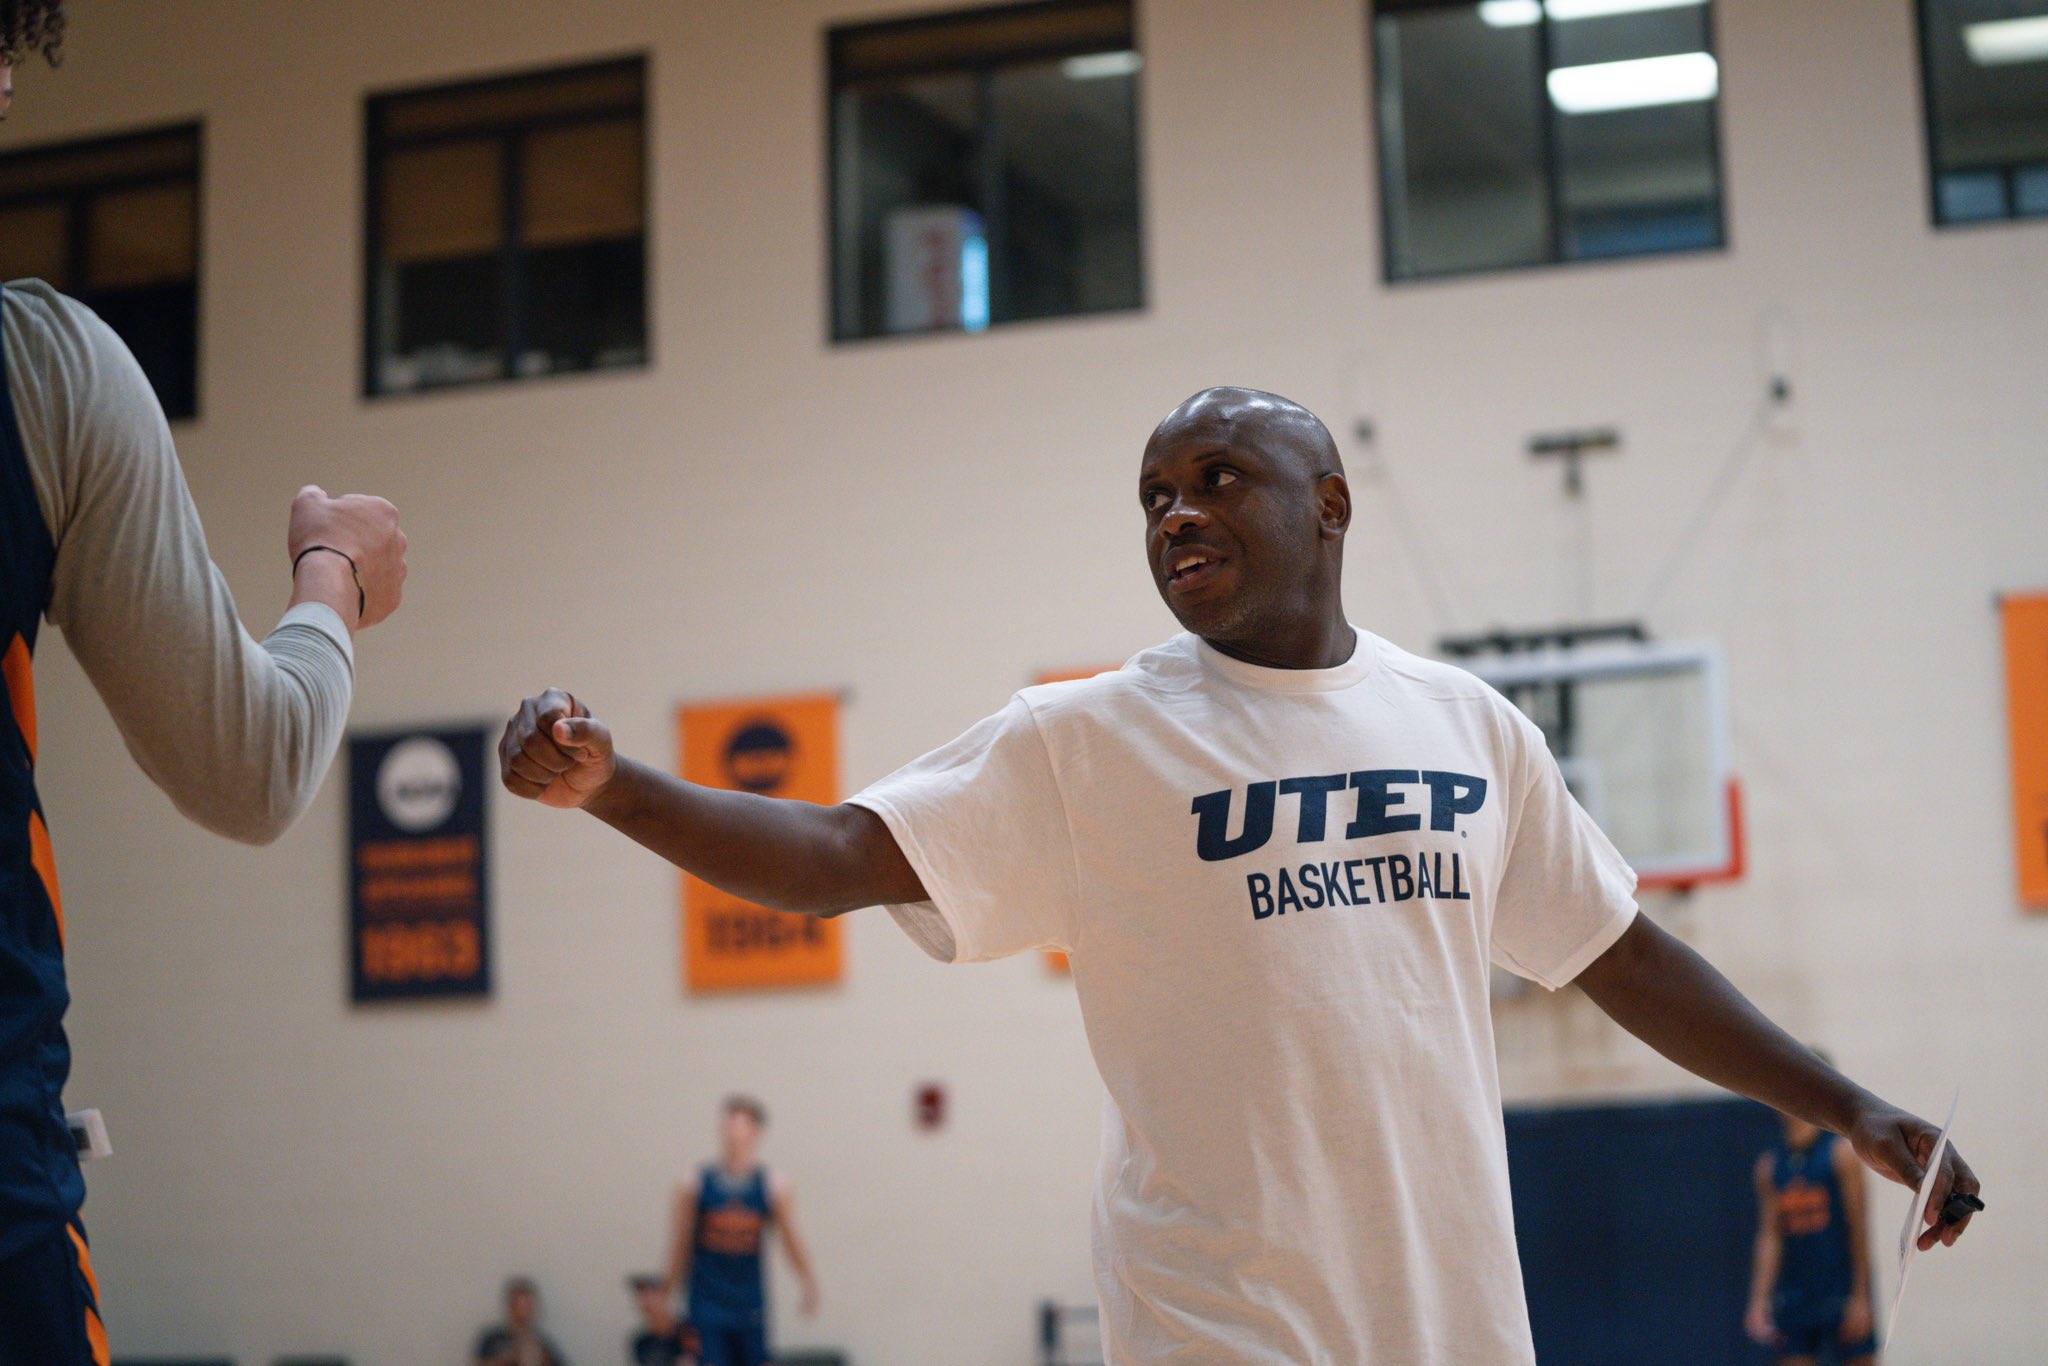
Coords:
1280,889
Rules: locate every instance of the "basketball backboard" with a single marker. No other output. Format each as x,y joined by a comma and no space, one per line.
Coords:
1640,731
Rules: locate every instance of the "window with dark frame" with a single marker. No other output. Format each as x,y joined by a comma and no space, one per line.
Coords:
114,222
1516,133
1985,69
507,228
984,168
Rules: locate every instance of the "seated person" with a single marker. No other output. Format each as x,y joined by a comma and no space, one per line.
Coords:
518,1341
661,1340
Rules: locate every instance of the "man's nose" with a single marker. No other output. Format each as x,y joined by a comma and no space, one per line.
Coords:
1182,518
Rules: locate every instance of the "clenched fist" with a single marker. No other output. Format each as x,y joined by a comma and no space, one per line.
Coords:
363,528
555,751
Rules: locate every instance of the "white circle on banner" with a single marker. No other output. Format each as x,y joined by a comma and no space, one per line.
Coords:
417,784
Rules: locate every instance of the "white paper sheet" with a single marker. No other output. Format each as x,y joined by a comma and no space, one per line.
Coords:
1909,1236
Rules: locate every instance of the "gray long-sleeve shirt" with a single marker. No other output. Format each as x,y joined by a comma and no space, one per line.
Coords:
237,734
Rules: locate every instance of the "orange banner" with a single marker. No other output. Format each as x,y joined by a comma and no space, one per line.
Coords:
777,747
2026,697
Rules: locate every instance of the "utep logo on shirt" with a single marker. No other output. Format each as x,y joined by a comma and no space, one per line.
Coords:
1377,810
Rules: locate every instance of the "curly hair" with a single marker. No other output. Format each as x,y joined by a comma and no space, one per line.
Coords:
28,27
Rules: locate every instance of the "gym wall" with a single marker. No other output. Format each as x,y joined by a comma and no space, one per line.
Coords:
930,523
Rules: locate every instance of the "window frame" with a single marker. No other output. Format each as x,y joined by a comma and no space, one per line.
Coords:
1548,167
832,37
510,134
78,200
1931,143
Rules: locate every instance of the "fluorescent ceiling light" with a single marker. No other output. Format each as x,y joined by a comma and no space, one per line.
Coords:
1562,10
1522,13
1096,65
1684,78
2003,42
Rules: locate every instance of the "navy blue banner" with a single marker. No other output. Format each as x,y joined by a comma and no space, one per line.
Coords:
419,897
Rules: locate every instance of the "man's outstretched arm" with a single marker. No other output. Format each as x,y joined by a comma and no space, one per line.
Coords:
788,855
1675,1001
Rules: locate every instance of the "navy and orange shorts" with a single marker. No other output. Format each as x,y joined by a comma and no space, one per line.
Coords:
50,1303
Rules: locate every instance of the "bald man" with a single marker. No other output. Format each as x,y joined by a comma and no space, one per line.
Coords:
1281,853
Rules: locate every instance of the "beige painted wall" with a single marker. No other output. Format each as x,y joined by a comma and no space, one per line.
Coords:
930,522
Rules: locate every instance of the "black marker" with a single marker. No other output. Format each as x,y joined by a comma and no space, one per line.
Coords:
1960,1207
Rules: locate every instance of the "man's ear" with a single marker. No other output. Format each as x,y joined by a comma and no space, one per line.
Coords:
1333,506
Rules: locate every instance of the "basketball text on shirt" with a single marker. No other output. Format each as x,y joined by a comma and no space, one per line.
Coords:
1376,811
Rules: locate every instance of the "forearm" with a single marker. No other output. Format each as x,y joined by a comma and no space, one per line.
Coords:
1763,1269
786,855
799,1259
1672,999
1853,1216
678,1266
239,734
1859,1264
329,579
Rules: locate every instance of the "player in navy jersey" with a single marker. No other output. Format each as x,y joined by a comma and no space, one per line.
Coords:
723,1220
1809,1293
100,538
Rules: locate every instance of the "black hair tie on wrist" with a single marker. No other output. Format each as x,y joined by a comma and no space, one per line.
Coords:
362,599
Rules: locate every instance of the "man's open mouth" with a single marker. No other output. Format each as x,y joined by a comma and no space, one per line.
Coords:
1190,567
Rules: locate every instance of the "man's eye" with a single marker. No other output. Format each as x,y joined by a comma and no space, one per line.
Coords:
1155,499
1218,478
